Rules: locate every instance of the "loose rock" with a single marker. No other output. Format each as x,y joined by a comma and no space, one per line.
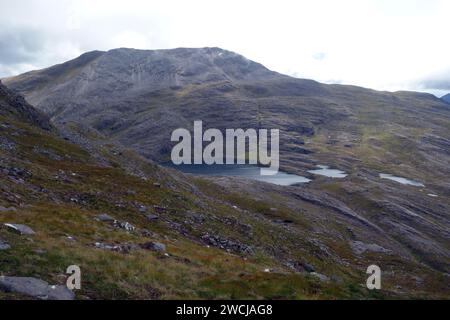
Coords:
154,246
19,228
105,218
4,245
152,217
3,209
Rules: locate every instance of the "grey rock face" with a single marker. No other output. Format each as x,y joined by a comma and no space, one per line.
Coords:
36,288
19,228
360,247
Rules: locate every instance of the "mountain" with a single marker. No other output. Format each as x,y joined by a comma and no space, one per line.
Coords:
446,98
138,97
331,229
139,231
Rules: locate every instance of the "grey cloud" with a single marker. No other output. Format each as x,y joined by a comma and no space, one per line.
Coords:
439,84
439,81
21,45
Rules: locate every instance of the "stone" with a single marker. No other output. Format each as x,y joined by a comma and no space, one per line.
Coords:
154,246
300,266
71,239
3,209
4,245
152,217
122,248
159,209
36,288
28,286
127,226
105,246
105,218
20,228
320,276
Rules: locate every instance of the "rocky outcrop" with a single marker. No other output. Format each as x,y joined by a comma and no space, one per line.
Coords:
13,104
360,247
227,244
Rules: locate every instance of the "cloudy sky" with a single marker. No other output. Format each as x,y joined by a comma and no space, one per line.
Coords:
381,44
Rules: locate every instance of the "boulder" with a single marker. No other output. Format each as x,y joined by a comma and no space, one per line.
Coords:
105,218
154,246
320,276
19,228
36,288
152,217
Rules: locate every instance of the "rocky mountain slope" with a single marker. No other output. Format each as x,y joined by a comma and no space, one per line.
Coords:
446,98
331,229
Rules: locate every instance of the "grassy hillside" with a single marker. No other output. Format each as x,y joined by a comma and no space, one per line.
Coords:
60,190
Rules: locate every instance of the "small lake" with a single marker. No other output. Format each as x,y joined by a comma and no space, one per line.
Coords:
244,171
401,180
327,172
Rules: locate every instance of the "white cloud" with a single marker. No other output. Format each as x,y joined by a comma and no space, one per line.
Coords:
384,44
